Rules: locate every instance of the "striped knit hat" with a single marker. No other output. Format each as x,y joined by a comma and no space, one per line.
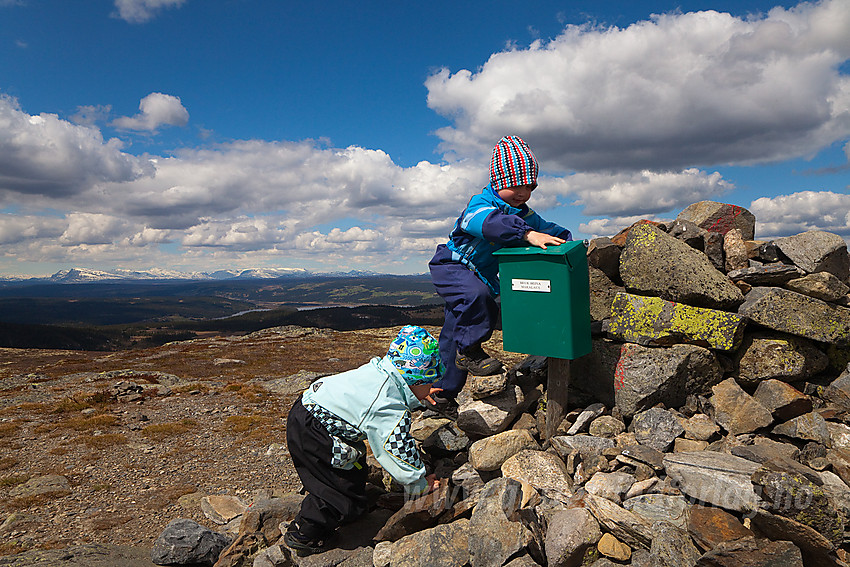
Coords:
513,164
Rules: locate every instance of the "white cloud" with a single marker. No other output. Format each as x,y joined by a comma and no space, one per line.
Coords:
157,109
141,11
19,228
643,192
91,228
678,91
798,212
43,155
90,114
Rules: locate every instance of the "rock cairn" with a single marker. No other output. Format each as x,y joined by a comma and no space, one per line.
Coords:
708,426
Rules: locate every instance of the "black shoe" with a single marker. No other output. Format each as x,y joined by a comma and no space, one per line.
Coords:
302,545
477,362
446,407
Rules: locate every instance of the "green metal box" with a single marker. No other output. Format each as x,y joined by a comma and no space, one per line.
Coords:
546,300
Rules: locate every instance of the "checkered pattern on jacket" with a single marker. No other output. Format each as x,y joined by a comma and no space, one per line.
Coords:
401,445
336,426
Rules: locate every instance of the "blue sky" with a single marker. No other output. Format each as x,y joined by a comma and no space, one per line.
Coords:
201,135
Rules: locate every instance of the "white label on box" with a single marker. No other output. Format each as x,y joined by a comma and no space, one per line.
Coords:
544,286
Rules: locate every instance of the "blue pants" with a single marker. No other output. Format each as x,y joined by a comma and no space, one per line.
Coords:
471,314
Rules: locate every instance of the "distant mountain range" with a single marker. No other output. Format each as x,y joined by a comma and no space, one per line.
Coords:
87,275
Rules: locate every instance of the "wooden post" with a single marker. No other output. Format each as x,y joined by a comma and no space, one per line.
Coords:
556,394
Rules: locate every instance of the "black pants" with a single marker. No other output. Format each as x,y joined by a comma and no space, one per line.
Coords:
334,496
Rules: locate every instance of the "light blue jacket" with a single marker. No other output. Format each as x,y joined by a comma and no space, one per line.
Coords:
373,402
488,224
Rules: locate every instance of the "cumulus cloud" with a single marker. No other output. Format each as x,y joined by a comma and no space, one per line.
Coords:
91,228
798,212
44,155
678,91
157,109
141,11
643,192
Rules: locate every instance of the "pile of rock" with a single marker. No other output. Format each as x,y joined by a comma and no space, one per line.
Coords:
709,425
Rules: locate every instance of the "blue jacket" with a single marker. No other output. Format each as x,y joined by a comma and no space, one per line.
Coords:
372,402
488,224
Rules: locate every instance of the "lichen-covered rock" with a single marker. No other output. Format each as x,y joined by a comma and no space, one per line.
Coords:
791,312
656,428
654,321
655,263
765,356
446,545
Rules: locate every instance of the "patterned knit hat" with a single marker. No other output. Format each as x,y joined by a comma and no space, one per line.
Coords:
416,355
513,164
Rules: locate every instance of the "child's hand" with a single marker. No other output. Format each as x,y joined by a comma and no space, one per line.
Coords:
433,483
430,393
541,239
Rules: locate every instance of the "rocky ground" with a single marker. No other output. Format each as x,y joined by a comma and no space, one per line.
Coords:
142,435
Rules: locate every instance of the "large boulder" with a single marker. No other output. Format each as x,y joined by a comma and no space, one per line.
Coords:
719,479
645,376
495,530
766,356
797,314
655,263
654,321
720,217
489,453
540,469
569,535
186,542
817,251
445,545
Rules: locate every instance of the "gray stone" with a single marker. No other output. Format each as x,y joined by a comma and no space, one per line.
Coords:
481,387
186,542
540,469
660,508
492,415
657,428
585,417
821,285
643,454
837,491
654,263
415,515
751,552
604,255
469,479
294,384
720,218
602,293
782,400
606,426
489,453
765,356
808,427
719,479
495,531
839,435
647,376
446,545
700,427
652,321
586,445
672,546
629,528
569,535
736,411
790,312
766,275
610,485
446,439
817,251
274,556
